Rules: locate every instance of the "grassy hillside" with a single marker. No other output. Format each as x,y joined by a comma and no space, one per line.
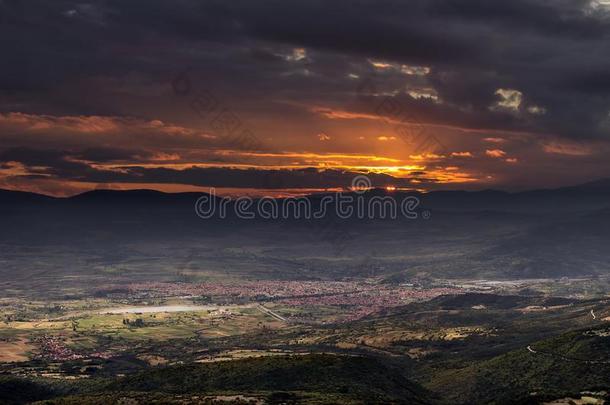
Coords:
14,390
355,377
312,378
564,366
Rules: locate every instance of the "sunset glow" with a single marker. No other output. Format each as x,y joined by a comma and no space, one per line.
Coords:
303,106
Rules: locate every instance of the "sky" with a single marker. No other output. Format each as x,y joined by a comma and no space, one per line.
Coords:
293,96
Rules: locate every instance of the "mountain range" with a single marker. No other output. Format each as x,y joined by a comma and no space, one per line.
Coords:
491,234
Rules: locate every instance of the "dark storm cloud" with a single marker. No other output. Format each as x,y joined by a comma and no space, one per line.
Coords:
58,165
105,155
46,162
554,52
558,17
246,178
116,57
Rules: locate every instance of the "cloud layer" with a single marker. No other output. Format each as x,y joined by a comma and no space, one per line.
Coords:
508,94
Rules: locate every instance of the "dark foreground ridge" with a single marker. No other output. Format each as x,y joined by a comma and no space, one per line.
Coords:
315,378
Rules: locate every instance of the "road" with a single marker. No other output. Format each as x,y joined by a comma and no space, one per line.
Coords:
269,312
562,357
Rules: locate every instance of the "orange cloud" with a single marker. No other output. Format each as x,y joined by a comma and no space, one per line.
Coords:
462,154
98,131
567,148
495,153
426,156
494,140
380,65
344,115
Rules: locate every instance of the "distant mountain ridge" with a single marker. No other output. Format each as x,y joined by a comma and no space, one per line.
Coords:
487,234
597,186
589,196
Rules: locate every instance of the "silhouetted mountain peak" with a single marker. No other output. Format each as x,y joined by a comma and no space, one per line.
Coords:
602,184
104,194
16,197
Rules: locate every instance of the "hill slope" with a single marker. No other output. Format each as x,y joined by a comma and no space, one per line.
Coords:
325,377
563,366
